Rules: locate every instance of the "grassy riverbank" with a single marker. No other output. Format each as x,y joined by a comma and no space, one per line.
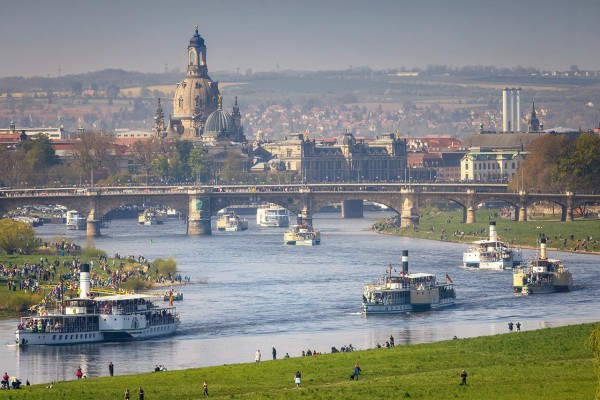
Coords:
448,226
51,264
543,364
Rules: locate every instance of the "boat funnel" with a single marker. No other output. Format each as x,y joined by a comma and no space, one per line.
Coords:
404,262
299,219
493,233
84,281
543,249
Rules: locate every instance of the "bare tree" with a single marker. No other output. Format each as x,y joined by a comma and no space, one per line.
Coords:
145,152
93,151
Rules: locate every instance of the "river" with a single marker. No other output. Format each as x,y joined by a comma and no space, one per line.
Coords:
249,291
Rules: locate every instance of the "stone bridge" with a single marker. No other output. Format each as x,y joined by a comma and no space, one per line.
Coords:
199,204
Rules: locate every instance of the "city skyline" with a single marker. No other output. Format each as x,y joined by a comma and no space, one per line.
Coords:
150,36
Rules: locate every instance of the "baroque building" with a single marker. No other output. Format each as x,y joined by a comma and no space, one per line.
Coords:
350,160
198,106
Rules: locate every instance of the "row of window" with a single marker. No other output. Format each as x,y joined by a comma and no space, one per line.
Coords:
490,165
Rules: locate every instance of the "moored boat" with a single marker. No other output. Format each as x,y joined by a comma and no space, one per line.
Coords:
272,215
75,221
407,292
231,222
88,319
542,275
492,253
302,235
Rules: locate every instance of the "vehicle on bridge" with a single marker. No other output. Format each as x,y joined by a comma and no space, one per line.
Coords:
542,275
407,292
492,253
89,318
302,235
272,215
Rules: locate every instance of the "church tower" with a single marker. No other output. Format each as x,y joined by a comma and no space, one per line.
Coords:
196,96
534,122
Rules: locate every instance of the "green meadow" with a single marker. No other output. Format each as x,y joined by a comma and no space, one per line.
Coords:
437,225
551,363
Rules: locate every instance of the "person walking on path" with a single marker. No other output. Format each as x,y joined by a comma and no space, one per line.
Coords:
205,389
274,354
356,372
111,368
141,393
463,377
257,356
297,378
126,394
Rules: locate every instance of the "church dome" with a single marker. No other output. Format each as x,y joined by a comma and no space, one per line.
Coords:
217,122
195,92
196,40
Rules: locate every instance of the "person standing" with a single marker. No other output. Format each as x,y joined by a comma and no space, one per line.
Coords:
126,394
510,326
111,368
274,354
141,393
391,341
205,389
257,356
297,378
463,377
356,372
79,373
518,326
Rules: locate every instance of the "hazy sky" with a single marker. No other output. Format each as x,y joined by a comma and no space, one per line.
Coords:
38,36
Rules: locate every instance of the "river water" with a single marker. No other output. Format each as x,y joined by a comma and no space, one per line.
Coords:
251,292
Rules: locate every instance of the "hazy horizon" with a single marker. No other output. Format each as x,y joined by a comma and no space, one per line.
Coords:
39,37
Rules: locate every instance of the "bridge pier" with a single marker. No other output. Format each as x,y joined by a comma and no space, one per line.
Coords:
469,216
522,214
307,216
199,216
92,228
409,215
352,209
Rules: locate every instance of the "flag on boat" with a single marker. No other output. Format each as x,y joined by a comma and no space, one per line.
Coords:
448,278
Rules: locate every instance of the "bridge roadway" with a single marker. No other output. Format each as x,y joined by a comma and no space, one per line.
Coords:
200,203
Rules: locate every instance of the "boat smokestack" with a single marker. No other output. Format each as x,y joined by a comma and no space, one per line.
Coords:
299,219
493,233
543,249
404,262
84,281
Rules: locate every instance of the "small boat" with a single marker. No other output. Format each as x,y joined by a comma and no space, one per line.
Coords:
231,222
542,275
302,235
90,318
272,215
492,253
407,292
172,213
177,296
75,221
152,217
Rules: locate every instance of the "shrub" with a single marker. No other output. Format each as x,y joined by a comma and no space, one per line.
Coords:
165,267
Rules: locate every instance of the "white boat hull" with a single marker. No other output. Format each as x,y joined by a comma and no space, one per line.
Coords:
30,338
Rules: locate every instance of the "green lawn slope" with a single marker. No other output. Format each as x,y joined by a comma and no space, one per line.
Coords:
546,364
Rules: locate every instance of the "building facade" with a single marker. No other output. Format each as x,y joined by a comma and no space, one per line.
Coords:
348,160
490,166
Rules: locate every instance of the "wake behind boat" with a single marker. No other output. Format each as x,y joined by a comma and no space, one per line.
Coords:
491,253
542,275
88,319
407,292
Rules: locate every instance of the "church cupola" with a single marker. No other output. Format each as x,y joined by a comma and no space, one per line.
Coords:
197,56
534,122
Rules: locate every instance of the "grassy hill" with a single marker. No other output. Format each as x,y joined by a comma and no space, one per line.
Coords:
544,364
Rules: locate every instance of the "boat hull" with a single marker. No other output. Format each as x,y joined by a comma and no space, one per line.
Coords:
30,338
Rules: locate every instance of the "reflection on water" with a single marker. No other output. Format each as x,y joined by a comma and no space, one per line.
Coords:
259,293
